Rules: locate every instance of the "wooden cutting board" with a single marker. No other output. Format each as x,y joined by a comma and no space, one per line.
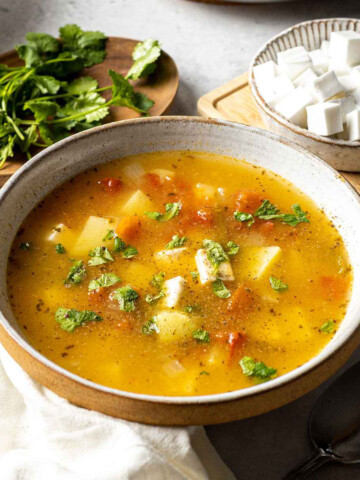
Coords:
161,86
233,101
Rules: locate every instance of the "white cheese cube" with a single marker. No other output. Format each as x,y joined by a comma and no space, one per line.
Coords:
169,256
347,105
353,125
325,47
293,107
207,271
137,204
345,47
276,89
324,118
356,94
348,82
62,234
320,61
174,288
265,72
294,61
339,68
327,86
305,78
355,75
165,175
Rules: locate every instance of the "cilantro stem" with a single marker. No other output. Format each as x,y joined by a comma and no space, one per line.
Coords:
78,115
15,127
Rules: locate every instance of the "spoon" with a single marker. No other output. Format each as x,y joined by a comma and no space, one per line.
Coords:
334,425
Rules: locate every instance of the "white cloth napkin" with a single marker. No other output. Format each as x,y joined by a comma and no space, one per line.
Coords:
44,437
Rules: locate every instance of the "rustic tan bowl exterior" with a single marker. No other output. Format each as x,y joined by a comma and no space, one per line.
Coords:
341,154
67,158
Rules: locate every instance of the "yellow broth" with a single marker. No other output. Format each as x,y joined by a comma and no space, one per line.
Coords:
281,328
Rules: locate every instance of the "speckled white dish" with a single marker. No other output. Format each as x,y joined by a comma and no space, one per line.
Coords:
342,155
67,158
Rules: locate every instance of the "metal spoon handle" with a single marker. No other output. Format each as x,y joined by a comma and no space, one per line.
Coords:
317,459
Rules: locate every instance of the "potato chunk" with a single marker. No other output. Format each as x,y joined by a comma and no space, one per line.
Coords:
92,234
137,204
62,234
175,326
256,262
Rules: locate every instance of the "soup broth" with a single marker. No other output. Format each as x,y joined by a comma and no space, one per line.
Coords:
178,273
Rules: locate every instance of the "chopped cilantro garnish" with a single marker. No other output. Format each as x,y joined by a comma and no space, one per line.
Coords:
119,245
149,298
60,248
125,296
201,336
176,242
204,373
296,218
194,275
158,280
150,327
244,217
219,289
25,246
251,368
172,210
215,253
278,284
109,236
233,248
191,308
268,211
99,256
328,326
105,280
76,274
69,318
130,252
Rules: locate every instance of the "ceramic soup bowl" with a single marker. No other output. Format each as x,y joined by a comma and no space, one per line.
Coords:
69,157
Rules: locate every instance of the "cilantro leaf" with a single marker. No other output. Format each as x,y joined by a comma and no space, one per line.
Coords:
99,256
219,289
194,275
46,84
201,336
82,85
296,218
126,297
87,104
123,94
119,245
145,55
251,368
130,252
88,46
52,134
42,110
172,210
40,47
150,327
244,217
266,211
328,327
215,253
60,248
76,274
277,284
105,280
191,308
149,298
6,148
158,280
176,242
69,318
233,248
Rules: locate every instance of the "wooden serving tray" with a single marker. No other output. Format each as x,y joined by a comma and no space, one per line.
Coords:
161,86
233,101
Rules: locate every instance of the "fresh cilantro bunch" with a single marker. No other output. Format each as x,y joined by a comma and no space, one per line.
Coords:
44,101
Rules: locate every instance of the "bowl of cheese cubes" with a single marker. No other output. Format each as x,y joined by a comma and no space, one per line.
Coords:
306,85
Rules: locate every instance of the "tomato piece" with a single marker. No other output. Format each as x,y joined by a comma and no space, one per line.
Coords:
241,300
266,228
236,341
128,228
97,296
248,202
334,287
152,180
111,185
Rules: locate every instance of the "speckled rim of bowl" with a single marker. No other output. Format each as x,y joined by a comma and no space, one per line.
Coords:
280,43
225,397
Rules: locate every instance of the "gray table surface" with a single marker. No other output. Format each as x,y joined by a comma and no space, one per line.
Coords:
211,44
